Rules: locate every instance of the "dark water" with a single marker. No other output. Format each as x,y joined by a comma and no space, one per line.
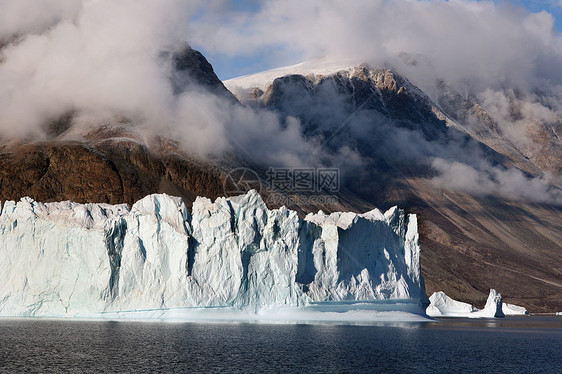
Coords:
515,345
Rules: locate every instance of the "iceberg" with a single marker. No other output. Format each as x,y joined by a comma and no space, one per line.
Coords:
513,310
442,305
493,307
157,259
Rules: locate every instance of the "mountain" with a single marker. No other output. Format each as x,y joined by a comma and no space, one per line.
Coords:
470,241
382,132
112,162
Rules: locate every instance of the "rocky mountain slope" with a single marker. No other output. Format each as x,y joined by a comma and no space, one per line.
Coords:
470,242
103,169
112,162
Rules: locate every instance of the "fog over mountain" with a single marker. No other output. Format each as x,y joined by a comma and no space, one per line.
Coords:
104,60
495,54
449,109
471,44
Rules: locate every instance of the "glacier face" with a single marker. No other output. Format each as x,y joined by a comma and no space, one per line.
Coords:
79,260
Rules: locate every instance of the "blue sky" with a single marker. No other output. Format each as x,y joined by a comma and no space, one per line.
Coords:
229,66
552,6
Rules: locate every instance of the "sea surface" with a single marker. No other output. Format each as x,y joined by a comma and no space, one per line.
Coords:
514,345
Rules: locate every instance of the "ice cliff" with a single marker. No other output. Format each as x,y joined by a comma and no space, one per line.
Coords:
69,259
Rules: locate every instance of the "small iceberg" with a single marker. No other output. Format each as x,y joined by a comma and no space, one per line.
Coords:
514,310
442,305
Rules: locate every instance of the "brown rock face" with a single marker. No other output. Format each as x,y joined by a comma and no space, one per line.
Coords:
107,171
112,164
469,243
49,172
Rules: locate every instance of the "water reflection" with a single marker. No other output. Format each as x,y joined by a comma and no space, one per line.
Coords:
548,324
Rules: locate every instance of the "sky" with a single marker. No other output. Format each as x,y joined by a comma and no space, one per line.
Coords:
229,66
552,6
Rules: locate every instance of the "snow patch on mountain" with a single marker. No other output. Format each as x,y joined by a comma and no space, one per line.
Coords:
317,67
97,260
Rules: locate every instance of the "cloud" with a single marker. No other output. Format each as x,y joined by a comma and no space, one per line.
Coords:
520,114
505,57
471,42
34,16
88,55
488,180
103,60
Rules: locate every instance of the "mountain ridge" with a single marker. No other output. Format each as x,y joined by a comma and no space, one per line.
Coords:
469,243
510,237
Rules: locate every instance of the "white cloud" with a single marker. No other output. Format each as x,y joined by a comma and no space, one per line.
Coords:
485,179
100,58
495,51
464,41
